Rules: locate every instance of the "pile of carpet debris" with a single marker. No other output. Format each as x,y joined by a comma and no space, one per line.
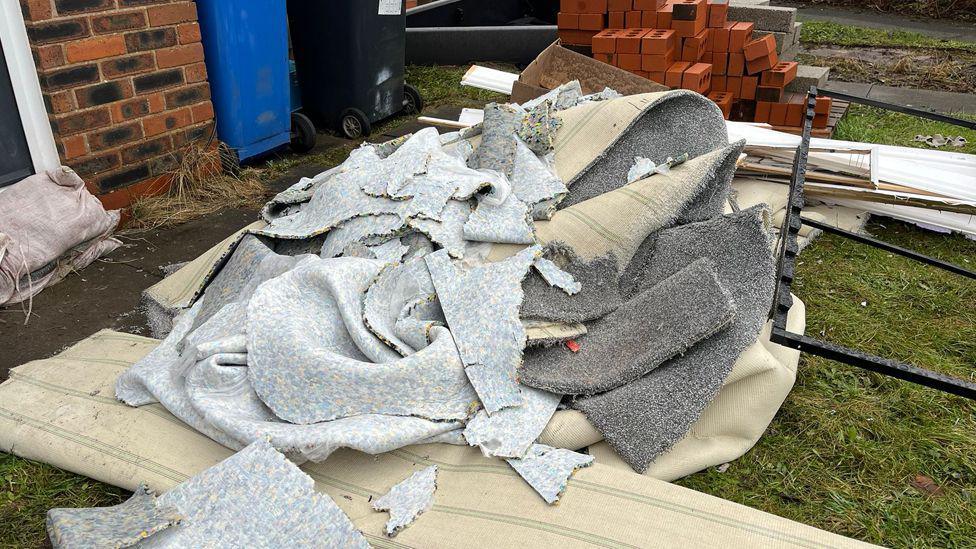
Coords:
401,298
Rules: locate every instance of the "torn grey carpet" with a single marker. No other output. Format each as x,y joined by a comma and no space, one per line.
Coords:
678,123
408,499
481,306
597,279
548,469
647,417
511,431
658,324
312,359
255,498
122,525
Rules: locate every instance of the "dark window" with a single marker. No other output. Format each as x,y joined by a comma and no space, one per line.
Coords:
15,158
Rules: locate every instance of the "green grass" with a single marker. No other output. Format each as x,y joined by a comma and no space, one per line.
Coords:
28,489
845,446
825,32
872,125
440,85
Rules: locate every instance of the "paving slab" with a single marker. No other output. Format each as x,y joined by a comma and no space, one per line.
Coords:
767,18
944,102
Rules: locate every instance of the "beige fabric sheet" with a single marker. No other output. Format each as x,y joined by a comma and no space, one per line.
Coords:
62,411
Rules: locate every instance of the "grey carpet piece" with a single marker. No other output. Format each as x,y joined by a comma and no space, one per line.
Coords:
709,203
686,114
408,499
122,525
645,418
481,307
598,295
658,324
548,469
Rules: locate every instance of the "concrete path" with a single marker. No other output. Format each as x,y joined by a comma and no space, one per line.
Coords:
936,28
945,102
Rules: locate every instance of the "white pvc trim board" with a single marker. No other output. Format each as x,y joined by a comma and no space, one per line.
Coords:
27,88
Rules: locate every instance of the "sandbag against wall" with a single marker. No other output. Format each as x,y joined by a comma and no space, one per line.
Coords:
50,225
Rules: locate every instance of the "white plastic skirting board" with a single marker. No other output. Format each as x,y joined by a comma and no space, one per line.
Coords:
489,79
933,220
949,174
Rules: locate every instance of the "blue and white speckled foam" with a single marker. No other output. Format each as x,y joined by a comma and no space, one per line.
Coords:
557,277
511,431
481,306
255,498
408,499
122,525
307,352
548,469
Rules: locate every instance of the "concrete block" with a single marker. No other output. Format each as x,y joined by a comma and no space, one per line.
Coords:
806,76
789,54
767,18
749,3
783,40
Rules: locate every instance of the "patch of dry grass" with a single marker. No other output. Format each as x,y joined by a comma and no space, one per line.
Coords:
937,70
937,9
199,187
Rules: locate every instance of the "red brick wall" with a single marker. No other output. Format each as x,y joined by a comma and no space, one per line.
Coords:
125,87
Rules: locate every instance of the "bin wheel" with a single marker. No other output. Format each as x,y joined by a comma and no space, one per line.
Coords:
302,133
413,103
354,124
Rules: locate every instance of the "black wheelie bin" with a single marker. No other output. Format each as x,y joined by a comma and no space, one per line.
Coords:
350,59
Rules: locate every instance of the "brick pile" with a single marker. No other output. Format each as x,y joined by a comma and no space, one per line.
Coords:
691,44
125,86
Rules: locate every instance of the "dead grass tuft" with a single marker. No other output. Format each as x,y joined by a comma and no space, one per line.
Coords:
199,187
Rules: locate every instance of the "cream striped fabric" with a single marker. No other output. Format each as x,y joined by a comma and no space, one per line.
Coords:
62,411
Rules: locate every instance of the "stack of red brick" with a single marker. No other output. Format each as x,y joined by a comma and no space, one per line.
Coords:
691,44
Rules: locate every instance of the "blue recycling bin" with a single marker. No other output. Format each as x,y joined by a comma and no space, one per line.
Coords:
246,48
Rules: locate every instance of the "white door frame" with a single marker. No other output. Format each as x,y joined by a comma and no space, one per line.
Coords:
27,88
